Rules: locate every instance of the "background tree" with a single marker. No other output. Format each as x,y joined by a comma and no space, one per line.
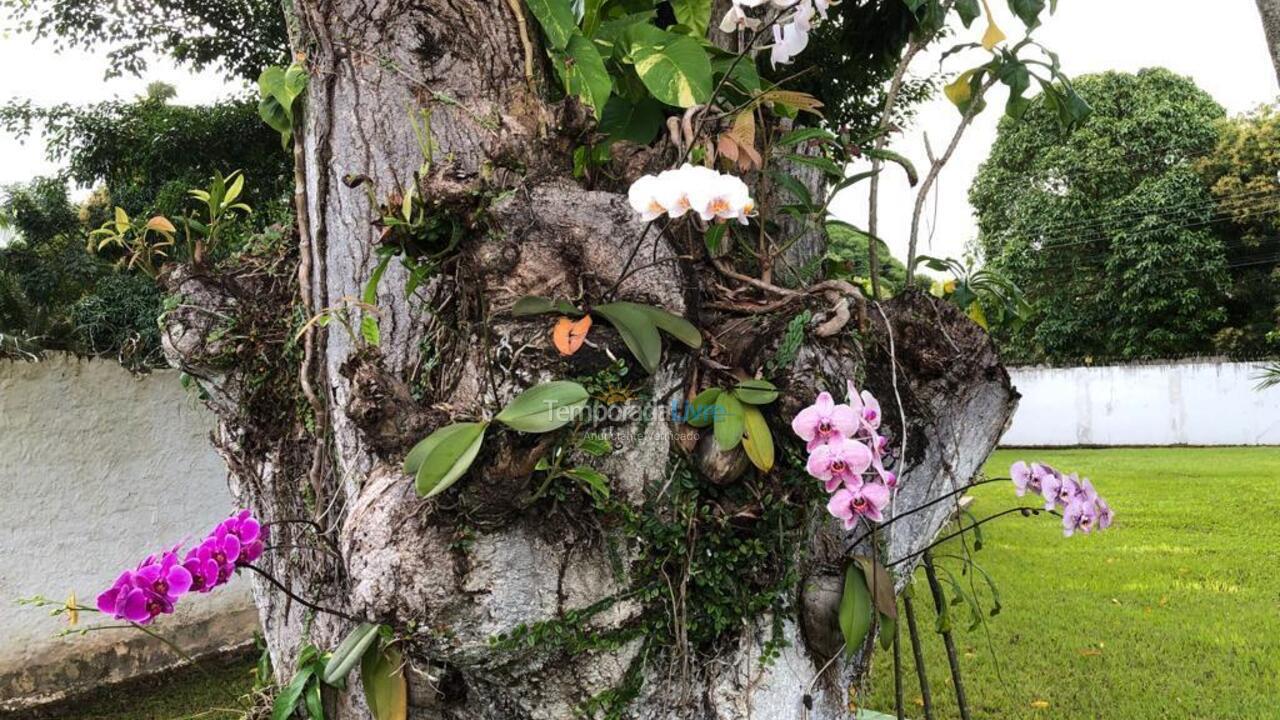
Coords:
1108,229
1241,176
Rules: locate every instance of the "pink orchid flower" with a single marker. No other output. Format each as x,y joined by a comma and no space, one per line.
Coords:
866,501
825,422
865,405
839,463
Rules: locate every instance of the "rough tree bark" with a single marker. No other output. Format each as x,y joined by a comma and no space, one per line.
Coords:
360,540
1270,11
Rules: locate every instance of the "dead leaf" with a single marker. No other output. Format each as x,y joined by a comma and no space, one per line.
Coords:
1039,704
569,334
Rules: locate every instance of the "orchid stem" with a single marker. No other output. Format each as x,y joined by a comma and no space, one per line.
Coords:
188,658
918,508
318,608
1022,509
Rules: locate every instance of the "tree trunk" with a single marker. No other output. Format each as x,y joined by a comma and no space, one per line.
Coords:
320,454
1270,11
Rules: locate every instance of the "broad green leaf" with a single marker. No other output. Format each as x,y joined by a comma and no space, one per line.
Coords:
274,115
638,331
583,73
715,240
967,10
702,408
537,305
444,456
728,421
756,438
287,699
556,19
743,73
385,689
675,68
233,192
855,609
635,122
1028,11
348,652
545,407
673,325
756,392
295,80
596,482
693,14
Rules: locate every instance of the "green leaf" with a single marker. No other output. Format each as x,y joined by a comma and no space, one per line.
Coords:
635,122
537,305
795,137
693,14
638,330
348,653
545,407
884,154
968,11
888,628
756,392
742,73
714,239
795,187
855,609
702,408
757,441
556,19
1028,11
583,73
287,700
673,325
595,445
385,689
828,168
314,702
596,482
728,421
674,68
444,456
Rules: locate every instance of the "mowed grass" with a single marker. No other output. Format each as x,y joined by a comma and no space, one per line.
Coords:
1173,613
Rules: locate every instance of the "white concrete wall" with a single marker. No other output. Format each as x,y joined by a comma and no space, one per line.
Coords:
98,469
1186,403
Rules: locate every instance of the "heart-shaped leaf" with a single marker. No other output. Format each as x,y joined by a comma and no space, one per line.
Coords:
546,407
385,689
855,609
444,456
728,421
583,73
556,19
638,122
756,392
348,653
702,408
757,441
675,68
638,330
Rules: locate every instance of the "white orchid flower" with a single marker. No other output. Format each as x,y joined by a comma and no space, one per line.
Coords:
788,41
643,196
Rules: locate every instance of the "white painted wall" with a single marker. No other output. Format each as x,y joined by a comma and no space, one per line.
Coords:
98,469
1185,403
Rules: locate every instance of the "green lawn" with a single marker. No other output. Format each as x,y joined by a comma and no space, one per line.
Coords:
1173,613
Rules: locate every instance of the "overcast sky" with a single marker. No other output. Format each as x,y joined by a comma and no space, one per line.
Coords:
1219,44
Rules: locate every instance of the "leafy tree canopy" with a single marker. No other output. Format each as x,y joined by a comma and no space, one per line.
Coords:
1108,228
239,36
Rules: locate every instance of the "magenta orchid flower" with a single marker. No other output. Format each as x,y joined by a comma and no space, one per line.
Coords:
849,504
839,463
824,422
865,405
1083,509
1081,515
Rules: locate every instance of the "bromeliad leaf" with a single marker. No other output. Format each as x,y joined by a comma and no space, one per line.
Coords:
855,609
556,19
546,407
756,392
444,456
385,689
674,68
757,441
728,420
348,653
